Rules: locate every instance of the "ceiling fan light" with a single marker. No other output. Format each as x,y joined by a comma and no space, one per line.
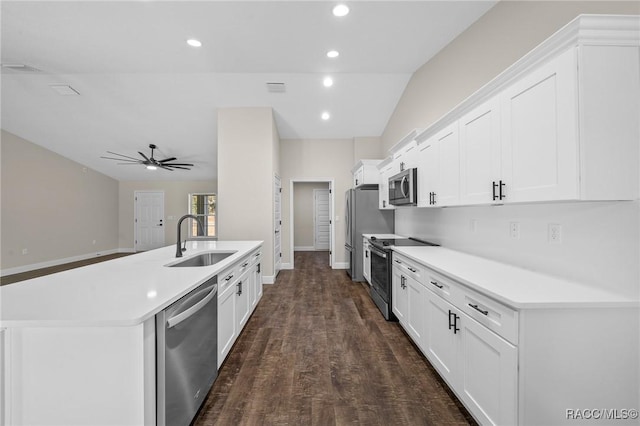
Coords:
151,167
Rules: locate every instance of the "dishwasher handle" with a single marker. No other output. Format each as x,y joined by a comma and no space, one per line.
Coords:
181,316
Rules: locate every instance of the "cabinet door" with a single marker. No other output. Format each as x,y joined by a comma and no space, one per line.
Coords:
488,368
383,193
242,301
227,331
427,172
417,312
366,262
441,341
480,153
258,282
448,192
358,177
539,130
399,296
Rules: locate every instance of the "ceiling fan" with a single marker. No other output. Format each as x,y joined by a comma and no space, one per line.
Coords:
150,162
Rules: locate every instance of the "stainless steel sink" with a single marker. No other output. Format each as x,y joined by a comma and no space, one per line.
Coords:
203,259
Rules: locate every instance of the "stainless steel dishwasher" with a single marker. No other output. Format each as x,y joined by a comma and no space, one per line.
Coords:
186,354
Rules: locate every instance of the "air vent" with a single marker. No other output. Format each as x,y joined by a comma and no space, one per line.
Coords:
19,67
276,87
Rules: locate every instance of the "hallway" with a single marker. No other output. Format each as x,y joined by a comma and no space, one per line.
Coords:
317,351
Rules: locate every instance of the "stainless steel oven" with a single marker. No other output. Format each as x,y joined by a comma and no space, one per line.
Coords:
381,271
381,281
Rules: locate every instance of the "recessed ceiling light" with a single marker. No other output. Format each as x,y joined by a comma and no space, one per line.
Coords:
341,10
325,115
333,54
194,43
150,167
328,82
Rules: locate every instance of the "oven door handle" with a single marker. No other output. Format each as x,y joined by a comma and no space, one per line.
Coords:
378,252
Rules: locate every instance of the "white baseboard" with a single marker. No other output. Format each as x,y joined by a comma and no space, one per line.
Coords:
56,262
304,248
268,279
340,265
284,266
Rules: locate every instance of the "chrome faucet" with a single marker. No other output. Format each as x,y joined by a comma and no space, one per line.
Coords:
178,248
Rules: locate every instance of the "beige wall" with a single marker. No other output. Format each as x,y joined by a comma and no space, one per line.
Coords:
500,37
247,162
176,201
319,159
53,207
368,149
303,213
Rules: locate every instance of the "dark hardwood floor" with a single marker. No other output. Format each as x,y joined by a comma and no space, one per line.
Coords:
317,352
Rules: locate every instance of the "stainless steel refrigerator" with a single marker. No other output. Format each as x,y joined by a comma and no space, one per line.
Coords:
362,216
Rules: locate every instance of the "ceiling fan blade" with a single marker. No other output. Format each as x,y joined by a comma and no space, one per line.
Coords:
179,167
121,155
178,164
145,157
164,167
122,159
129,164
167,159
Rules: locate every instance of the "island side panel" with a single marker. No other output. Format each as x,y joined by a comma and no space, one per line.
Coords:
79,376
578,359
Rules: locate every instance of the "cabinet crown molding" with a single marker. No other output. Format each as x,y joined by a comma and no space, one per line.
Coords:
584,30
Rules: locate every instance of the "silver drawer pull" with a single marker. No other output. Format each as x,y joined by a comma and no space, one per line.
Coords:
411,269
397,261
479,310
228,277
256,255
436,284
245,264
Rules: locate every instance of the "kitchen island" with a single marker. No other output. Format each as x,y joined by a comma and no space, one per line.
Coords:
78,347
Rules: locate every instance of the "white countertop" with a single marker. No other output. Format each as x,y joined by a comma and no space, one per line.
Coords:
120,292
513,286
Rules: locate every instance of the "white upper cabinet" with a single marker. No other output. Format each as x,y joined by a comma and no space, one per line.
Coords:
365,172
386,170
561,124
439,169
404,154
540,134
480,153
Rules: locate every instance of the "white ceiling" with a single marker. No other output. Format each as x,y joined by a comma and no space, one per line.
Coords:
139,82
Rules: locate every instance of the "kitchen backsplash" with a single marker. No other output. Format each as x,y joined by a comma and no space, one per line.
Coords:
599,242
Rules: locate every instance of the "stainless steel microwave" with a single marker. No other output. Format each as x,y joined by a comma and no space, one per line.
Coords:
403,188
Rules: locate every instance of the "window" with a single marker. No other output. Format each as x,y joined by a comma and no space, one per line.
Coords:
204,207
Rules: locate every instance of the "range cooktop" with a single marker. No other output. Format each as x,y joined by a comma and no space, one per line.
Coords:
386,243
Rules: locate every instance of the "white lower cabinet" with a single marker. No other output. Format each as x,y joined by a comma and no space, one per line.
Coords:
239,291
479,365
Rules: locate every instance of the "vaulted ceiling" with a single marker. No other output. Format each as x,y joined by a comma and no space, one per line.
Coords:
139,83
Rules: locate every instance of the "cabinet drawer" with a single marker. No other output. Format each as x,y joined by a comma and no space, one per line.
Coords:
227,278
493,315
255,257
408,267
243,265
442,286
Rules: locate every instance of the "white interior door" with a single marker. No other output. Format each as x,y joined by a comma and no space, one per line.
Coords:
277,225
149,220
321,216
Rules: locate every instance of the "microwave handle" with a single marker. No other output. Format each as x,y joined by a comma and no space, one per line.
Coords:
402,183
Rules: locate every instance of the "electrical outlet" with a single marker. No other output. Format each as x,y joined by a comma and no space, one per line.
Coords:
555,233
25,251
514,230
94,241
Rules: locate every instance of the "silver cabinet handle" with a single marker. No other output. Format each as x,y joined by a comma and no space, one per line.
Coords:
178,318
436,284
228,277
239,288
411,269
244,265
